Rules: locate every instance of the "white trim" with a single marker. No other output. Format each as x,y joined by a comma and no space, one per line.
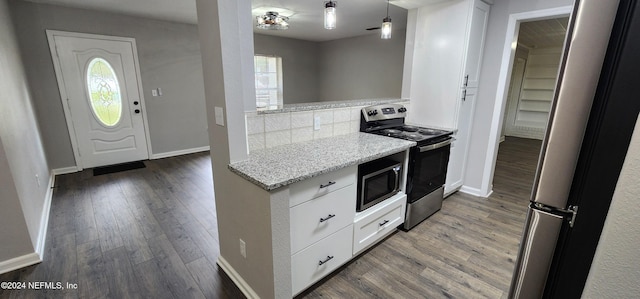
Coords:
236,278
63,93
508,55
475,191
44,218
65,170
181,152
19,262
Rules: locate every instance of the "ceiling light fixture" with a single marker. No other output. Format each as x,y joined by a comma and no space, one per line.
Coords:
272,20
385,33
330,14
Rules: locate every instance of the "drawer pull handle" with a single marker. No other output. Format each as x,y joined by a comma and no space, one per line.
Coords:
327,184
383,222
329,257
328,217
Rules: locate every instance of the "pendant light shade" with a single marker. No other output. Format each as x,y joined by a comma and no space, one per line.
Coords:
330,15
385,32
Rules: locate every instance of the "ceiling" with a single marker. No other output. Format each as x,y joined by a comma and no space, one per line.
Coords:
544,33
306,16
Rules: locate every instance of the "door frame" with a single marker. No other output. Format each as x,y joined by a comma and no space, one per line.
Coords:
51,34
504,78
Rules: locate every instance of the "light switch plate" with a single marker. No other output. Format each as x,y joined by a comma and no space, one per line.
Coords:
219,115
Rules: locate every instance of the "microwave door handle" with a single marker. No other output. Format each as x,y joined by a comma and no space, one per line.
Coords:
396,171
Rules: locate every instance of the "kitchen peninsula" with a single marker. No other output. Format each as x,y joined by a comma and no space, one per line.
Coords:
304,197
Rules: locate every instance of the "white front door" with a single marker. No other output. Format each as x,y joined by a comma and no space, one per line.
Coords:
100,87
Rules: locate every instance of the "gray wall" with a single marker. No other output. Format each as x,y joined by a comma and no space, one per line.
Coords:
614,270
363,67
491,62
299,65
22,155
339,69
169,56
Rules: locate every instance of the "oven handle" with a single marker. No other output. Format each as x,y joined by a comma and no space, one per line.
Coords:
435,146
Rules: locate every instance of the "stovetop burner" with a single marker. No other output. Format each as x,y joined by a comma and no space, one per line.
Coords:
391,132
410,128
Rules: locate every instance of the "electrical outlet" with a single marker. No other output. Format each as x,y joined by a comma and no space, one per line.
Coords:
154,92
316,123
243,248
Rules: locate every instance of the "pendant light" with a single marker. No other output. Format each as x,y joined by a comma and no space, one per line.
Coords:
330,15
385,33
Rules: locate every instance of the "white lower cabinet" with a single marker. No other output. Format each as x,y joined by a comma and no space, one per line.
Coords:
378,221
322,216
325,229
316,261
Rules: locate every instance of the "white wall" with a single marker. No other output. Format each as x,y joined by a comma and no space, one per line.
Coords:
491,63
169,55
615,270
22,155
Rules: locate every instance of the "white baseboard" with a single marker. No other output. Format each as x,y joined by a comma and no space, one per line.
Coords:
65,170
44,218
236,278
502,138
180,152
475,191
19,262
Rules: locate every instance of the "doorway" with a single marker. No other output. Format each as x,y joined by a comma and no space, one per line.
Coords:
504,80
533,77
100,87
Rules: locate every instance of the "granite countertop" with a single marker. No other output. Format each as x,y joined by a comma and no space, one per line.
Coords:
329,105
286,164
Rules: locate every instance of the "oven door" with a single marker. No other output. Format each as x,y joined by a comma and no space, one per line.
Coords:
427,169
377,183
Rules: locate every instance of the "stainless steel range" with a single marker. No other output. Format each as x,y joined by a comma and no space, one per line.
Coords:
427,160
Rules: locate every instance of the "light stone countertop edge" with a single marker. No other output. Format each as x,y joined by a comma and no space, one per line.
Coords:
286,164
330,105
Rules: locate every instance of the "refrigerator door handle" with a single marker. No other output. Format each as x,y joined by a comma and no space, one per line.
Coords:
536,254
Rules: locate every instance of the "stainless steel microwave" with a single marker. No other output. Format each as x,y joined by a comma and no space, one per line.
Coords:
377,181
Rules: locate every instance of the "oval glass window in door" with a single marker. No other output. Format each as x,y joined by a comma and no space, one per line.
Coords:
104,92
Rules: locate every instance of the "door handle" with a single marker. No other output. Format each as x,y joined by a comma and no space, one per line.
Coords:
137,111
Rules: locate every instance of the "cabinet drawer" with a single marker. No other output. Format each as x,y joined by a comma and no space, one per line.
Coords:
322,216
378,221
320,259
321,185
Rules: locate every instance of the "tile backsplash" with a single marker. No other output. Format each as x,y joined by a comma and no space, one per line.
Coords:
273,129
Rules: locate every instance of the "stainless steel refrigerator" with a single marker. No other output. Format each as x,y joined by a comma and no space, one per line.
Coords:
591,120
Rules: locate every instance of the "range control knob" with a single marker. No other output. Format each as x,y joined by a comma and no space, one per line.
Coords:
403,109
375,112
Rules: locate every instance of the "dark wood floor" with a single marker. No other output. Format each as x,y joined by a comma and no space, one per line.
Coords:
152,233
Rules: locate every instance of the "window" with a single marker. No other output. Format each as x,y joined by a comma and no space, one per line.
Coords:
104,92
268,81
